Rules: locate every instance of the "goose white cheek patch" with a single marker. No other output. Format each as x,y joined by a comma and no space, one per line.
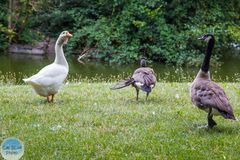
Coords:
207,39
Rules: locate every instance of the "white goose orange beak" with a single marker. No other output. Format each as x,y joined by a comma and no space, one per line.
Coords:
69,34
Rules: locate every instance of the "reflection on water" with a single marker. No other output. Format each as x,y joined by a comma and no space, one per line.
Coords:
15,67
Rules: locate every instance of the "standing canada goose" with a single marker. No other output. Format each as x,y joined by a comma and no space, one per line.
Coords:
48,80
206,94
143,78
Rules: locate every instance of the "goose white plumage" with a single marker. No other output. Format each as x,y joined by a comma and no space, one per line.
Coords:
48,80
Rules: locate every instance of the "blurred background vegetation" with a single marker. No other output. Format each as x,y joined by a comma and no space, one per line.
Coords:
121,31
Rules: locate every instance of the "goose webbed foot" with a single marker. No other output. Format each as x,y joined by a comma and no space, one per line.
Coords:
211,122
210,125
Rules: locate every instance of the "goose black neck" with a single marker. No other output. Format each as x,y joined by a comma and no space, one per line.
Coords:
206,61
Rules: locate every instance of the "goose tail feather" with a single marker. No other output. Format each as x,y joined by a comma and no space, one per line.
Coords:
123,83
228,115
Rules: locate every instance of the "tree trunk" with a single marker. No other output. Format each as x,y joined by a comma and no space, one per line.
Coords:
10,10
10,13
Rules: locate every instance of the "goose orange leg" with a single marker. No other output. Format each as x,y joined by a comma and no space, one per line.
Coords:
48,99
52,98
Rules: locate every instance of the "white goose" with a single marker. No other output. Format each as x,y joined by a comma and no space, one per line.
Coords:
48,80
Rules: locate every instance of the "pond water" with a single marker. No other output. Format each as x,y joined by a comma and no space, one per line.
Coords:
14,67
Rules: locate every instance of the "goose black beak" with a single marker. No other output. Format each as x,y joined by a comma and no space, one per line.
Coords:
201,38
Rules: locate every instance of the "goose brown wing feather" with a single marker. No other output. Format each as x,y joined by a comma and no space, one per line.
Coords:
144,75
206,93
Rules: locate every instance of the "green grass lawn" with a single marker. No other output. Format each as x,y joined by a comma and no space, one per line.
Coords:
89,121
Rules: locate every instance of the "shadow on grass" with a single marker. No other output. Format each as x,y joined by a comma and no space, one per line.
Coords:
233,130
219,129
151,100
43,101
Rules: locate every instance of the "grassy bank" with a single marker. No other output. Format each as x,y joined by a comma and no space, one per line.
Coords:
88,120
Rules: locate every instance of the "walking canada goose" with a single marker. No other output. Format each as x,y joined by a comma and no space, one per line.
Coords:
48,80
208,95
143,78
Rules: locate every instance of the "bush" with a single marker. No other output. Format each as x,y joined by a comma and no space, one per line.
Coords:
121,31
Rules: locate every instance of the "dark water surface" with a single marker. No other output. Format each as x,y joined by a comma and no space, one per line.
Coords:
14,67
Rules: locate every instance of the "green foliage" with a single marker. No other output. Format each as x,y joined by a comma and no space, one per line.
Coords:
122,31
165,31
20,30
4,32
3,38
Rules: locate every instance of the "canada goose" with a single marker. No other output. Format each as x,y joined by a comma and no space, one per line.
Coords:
208,95
143,78
48,80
